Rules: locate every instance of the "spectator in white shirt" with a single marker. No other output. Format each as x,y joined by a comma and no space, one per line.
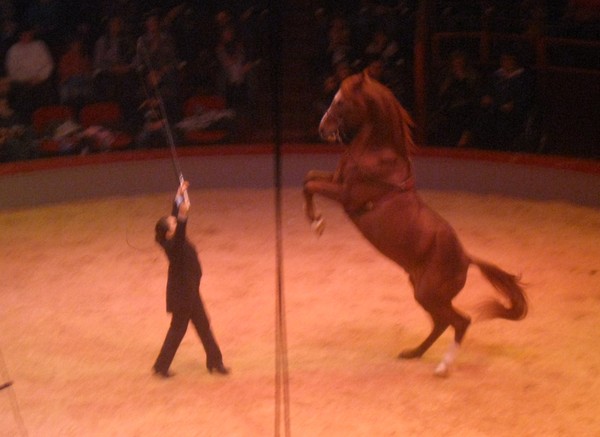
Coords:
30,67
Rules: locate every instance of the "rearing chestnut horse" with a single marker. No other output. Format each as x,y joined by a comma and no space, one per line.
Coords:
374,182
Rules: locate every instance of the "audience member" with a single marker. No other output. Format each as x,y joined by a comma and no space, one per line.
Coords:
30,67
156,60
255,43
234,78
114,77
155,48
340,48
505,105
184,24
114,49
75,75
251,25
16,139
457,99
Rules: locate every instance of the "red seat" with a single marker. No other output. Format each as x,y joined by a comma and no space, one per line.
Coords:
108,115
193,103
44,120
192,106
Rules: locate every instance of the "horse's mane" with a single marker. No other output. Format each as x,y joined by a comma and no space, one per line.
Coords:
383,110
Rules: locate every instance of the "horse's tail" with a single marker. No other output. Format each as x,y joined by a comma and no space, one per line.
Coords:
508,285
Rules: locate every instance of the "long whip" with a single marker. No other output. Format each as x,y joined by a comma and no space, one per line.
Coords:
162,112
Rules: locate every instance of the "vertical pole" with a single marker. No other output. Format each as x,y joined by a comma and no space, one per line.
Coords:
420,69
282,395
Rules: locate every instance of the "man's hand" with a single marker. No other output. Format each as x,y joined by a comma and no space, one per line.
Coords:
183,188
184,207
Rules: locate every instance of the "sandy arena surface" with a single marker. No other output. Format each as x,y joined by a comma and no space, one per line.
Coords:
82,317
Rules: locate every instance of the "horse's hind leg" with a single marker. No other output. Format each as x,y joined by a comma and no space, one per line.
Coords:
460,323
443,315
440,324
430,303
434,291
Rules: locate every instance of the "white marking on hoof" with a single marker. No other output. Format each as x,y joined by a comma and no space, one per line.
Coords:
442,370
318,226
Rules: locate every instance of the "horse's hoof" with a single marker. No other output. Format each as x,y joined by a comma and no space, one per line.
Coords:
409,354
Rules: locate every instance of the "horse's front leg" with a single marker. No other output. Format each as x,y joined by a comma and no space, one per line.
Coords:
323,183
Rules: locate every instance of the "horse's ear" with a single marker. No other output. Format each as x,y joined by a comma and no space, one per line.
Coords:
365,76
355,84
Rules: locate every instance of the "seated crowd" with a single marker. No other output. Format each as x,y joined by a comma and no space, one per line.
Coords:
496,110
148,83
469,106
153,64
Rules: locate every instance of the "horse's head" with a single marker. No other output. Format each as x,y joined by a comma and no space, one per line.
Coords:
366,113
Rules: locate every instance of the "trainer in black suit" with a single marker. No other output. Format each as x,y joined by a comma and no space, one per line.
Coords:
183,295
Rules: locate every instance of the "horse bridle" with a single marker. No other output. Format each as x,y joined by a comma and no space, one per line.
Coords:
336,136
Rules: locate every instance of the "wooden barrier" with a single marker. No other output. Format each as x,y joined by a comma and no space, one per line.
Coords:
130,173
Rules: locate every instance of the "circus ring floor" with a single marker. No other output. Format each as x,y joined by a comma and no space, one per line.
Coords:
82,301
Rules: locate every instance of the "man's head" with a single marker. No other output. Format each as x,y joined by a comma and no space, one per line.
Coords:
165,229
